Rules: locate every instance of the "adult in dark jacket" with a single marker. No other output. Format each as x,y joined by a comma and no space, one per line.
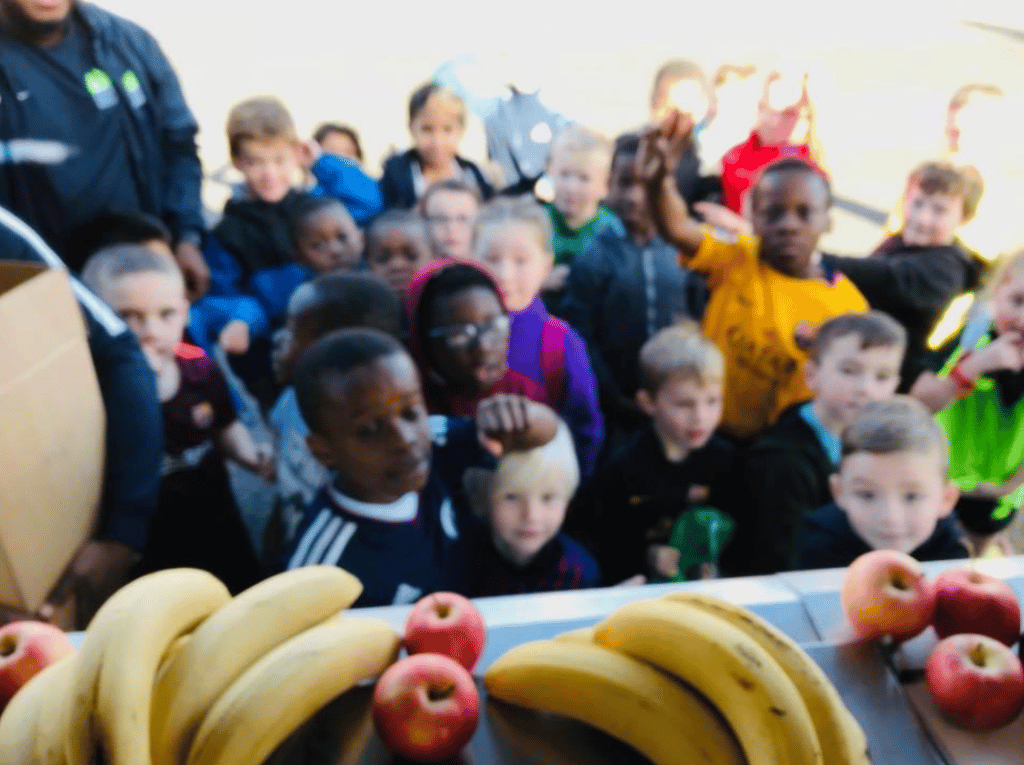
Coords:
74,73
134,443
915,286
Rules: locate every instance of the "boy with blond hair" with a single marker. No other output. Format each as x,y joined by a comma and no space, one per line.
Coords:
855,359
891,492
672,465
252,251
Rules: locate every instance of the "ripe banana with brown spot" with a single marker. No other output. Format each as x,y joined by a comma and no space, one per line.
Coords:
842,739
660,718
229,642
281,691
741,679
112,690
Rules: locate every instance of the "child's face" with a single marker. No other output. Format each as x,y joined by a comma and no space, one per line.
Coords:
847,377
686,95
451,216
627,196
395,256
685,411
329,240
931,219
437,131
783,113
516,258
1008,303
523,520
580,180
340,145
375,431
270,167
154,307
790,215
471,351
893,500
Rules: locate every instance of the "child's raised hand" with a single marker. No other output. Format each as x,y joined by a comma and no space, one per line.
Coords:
234,338
676,131
1005,352
508,422
721,217
663,560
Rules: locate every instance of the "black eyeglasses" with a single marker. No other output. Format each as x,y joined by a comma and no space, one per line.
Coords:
462,336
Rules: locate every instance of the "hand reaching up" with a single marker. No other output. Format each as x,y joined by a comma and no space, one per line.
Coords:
510,423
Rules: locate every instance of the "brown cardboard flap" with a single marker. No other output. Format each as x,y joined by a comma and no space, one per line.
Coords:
52,432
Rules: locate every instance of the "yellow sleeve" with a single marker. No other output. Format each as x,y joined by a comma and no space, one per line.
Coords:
716,257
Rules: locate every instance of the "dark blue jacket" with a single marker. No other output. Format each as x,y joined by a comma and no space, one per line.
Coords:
135,433
399,191
156,126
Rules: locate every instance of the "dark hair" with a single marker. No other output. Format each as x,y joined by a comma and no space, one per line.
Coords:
626,144
110,228
875,329
896,424
308,205
407,220
449,281
329,360
326,128
342,299
423,93
792,165
956,181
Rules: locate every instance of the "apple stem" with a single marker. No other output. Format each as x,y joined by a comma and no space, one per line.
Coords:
977,655
8,644
443,610
439,694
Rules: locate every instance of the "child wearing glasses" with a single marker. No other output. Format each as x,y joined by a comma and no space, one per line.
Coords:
459,336
513,239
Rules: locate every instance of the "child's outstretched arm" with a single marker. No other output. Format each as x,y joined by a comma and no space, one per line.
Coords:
238,445
1005,352
514,423
660,152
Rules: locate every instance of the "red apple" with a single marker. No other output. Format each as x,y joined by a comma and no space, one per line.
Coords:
449,624
26,648
977,681
968,601
425,707
886,593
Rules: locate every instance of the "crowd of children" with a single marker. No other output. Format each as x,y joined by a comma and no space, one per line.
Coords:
653,374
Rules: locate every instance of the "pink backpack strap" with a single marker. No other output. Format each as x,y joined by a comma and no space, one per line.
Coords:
552,360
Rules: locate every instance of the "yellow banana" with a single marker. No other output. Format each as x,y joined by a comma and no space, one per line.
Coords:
225,645
113,686
842,739
660,718
583,635
22,715
289,685
733,672
52,725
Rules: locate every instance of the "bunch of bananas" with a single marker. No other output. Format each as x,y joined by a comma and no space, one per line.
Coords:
174,671
687,678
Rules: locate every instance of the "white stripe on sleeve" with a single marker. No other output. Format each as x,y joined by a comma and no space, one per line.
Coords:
322,543
307,539
337,548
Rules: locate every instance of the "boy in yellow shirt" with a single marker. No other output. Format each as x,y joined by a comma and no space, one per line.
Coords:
769,292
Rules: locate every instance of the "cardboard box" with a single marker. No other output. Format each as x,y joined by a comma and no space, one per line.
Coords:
52,432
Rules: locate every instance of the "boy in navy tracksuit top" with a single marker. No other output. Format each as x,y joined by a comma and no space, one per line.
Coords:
392,515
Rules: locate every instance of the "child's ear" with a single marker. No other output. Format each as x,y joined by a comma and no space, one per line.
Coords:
950,495
835,485
321,450
645,402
